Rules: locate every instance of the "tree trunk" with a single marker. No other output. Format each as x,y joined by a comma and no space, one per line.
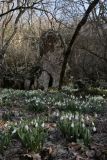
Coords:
78,28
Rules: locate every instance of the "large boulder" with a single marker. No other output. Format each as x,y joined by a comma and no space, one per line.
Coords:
52,55
44,80
27,84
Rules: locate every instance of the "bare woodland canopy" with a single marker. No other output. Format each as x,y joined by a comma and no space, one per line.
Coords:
23,21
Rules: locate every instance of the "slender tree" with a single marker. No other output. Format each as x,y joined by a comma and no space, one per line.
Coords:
76,33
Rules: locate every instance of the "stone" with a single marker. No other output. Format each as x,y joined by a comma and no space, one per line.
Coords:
18,84
27,84
52,55
44,80
35,84
36,157
90,153
98,153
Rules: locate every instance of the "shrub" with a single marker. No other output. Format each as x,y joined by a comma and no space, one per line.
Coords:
32,134
73,127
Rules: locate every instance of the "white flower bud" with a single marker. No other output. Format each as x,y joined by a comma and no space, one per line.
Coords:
32,122
15,123
61,118
94,129
82,120
57,114
5,125
66,116
72,125
93,124
14,131
83,125
26,127
70,117
76,117
87,118
43,125
36,124
96,115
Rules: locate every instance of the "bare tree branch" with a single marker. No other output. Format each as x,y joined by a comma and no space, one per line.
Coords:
14,32
94,54
22,8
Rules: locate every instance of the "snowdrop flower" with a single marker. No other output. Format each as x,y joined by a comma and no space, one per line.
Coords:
26,127
57,114
15,123
96,115
73,116
43,125
76,116
35,121
36,124
93,124
72,125
66,116
20,122
70,117
80,107
14,131
87,118
6,125
83,125
82,119
80,97
94,129
32,122
61,118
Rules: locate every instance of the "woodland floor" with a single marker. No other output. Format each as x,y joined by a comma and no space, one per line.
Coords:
56,147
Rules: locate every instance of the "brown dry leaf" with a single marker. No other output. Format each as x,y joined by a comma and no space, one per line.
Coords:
74,146
50,150
78,157
36,157
32,156
50,125
2,123
53,125
90,153
46,152
47,125
27,156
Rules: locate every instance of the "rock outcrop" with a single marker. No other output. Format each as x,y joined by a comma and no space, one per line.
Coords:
52,55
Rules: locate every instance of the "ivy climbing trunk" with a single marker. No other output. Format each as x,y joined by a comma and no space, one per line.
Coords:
77,30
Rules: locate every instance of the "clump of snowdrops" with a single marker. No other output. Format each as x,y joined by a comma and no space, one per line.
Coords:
76,127
39,101
32,134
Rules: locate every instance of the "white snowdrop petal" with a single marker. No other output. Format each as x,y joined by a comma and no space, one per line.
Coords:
43,125
26,127
83,125
94,129
72,125
36,124
14,131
